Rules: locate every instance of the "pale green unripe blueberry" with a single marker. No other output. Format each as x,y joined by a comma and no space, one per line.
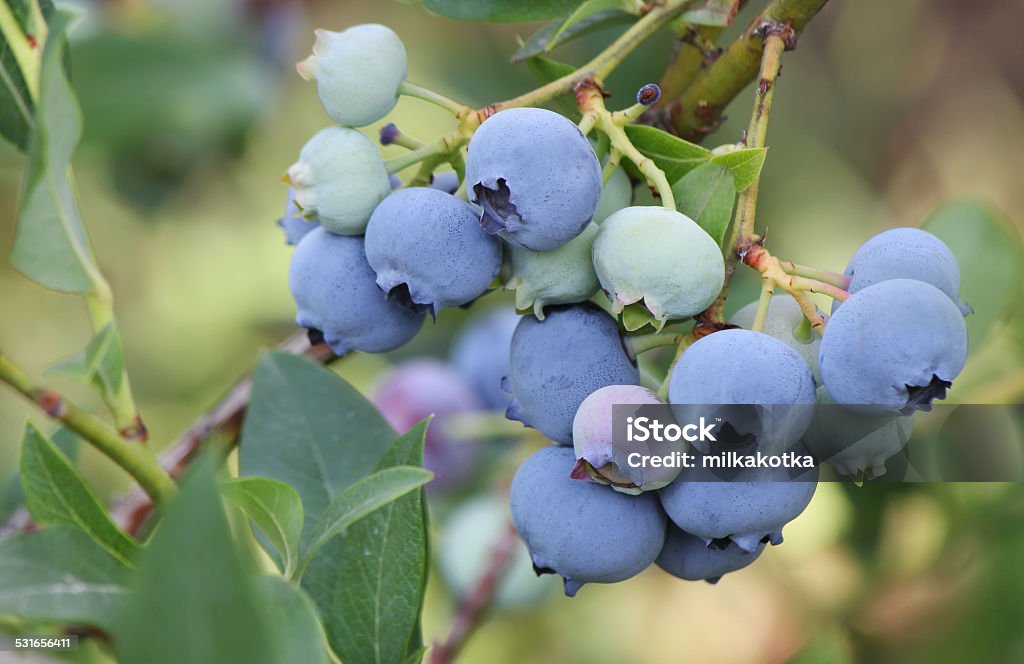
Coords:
785,321
661,257
561,276
357,72
339,179
616,194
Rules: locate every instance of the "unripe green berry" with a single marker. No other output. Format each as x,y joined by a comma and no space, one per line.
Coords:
616,194
339,179
357,72
561,276
661,257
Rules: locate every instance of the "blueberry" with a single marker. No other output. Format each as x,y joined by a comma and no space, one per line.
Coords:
748,510
893,347
292,223
427,248
535,176
759,386
561,276
661,257
481,353
691,558
446,181
583,532
557,363
337,297
357,72
855,444
599,459
905,253
417,389
467,539
339,179
785,322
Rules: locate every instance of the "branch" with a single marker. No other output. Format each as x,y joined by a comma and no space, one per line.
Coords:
696,112
224,421
136,459
473,606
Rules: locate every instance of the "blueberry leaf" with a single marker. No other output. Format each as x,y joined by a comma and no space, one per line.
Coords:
50,244
13,497
57,495
718,13
100,364
501,11
707,195
298,634
369,583
745,165
672,154
194,600
275,508
547,70
61,575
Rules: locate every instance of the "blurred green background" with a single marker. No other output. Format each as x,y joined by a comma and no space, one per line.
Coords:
886,110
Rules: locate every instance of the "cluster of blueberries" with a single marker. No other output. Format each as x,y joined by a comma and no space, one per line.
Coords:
372,259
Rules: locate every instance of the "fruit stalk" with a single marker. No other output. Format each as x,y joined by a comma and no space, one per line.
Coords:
137,460
419,92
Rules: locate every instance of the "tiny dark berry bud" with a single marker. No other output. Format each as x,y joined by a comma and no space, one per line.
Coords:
388,133
648,95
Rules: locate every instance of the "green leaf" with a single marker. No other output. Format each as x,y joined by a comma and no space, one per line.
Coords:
57,495
13,496
670,153
16,107
299,634
369,583
991,259
365,496
745,165
635,316
275,508
193,601
100,364
501,11
308,428
61,575
50,244
585,15
707,195
718,13
547,70
541,41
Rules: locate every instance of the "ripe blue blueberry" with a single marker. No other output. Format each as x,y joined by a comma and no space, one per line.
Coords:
786,323
758,385
339,179
468,536
893,347
429,251
905,253
557,363
748,510
856,445
446,181
561,276
417,389
535,176
481,353
292,223
581,531
599,459
691,558
337,297
660,257
357,72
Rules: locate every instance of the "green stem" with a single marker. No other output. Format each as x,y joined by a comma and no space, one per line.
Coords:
419,92
137,460
442,146
825,276
695,113
605,62
645,342
815,286
767,290
803,332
